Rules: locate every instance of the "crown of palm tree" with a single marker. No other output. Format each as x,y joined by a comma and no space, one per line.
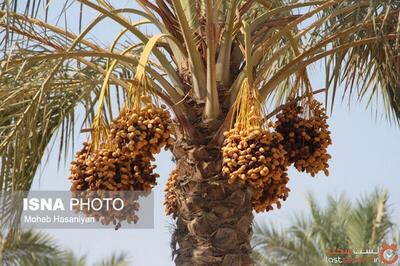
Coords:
195,59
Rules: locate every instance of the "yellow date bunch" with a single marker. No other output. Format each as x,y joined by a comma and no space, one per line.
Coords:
257,158
170,201
253,154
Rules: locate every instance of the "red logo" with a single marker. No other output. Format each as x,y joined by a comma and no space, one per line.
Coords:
388,254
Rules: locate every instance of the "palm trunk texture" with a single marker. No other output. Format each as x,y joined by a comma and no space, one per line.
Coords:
213,219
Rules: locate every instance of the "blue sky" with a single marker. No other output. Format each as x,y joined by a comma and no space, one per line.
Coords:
365,155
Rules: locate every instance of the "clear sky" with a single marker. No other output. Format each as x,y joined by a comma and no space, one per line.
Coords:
365,155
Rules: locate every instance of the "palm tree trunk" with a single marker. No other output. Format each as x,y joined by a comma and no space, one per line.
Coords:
213,219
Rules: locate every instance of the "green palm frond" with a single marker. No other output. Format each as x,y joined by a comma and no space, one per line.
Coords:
30,248
371,69
70,259
274,246
27,104
365,225
43,110
370,223
116,259
329,224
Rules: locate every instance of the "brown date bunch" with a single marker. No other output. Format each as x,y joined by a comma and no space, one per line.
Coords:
274,191
306,138
170,196
123,162
111,170
144,129
106,170
107,216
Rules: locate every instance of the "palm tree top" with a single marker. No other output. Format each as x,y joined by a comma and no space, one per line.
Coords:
196,61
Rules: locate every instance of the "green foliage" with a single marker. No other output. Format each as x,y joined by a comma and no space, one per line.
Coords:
29,247
340,225
114,260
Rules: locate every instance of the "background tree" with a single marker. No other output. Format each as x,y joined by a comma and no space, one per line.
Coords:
196,61
29,247
340,225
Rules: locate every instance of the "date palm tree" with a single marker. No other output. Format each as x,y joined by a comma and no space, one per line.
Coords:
340,225
195,55
30,247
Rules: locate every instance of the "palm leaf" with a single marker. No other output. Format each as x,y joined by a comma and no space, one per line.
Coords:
116,259
30,248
